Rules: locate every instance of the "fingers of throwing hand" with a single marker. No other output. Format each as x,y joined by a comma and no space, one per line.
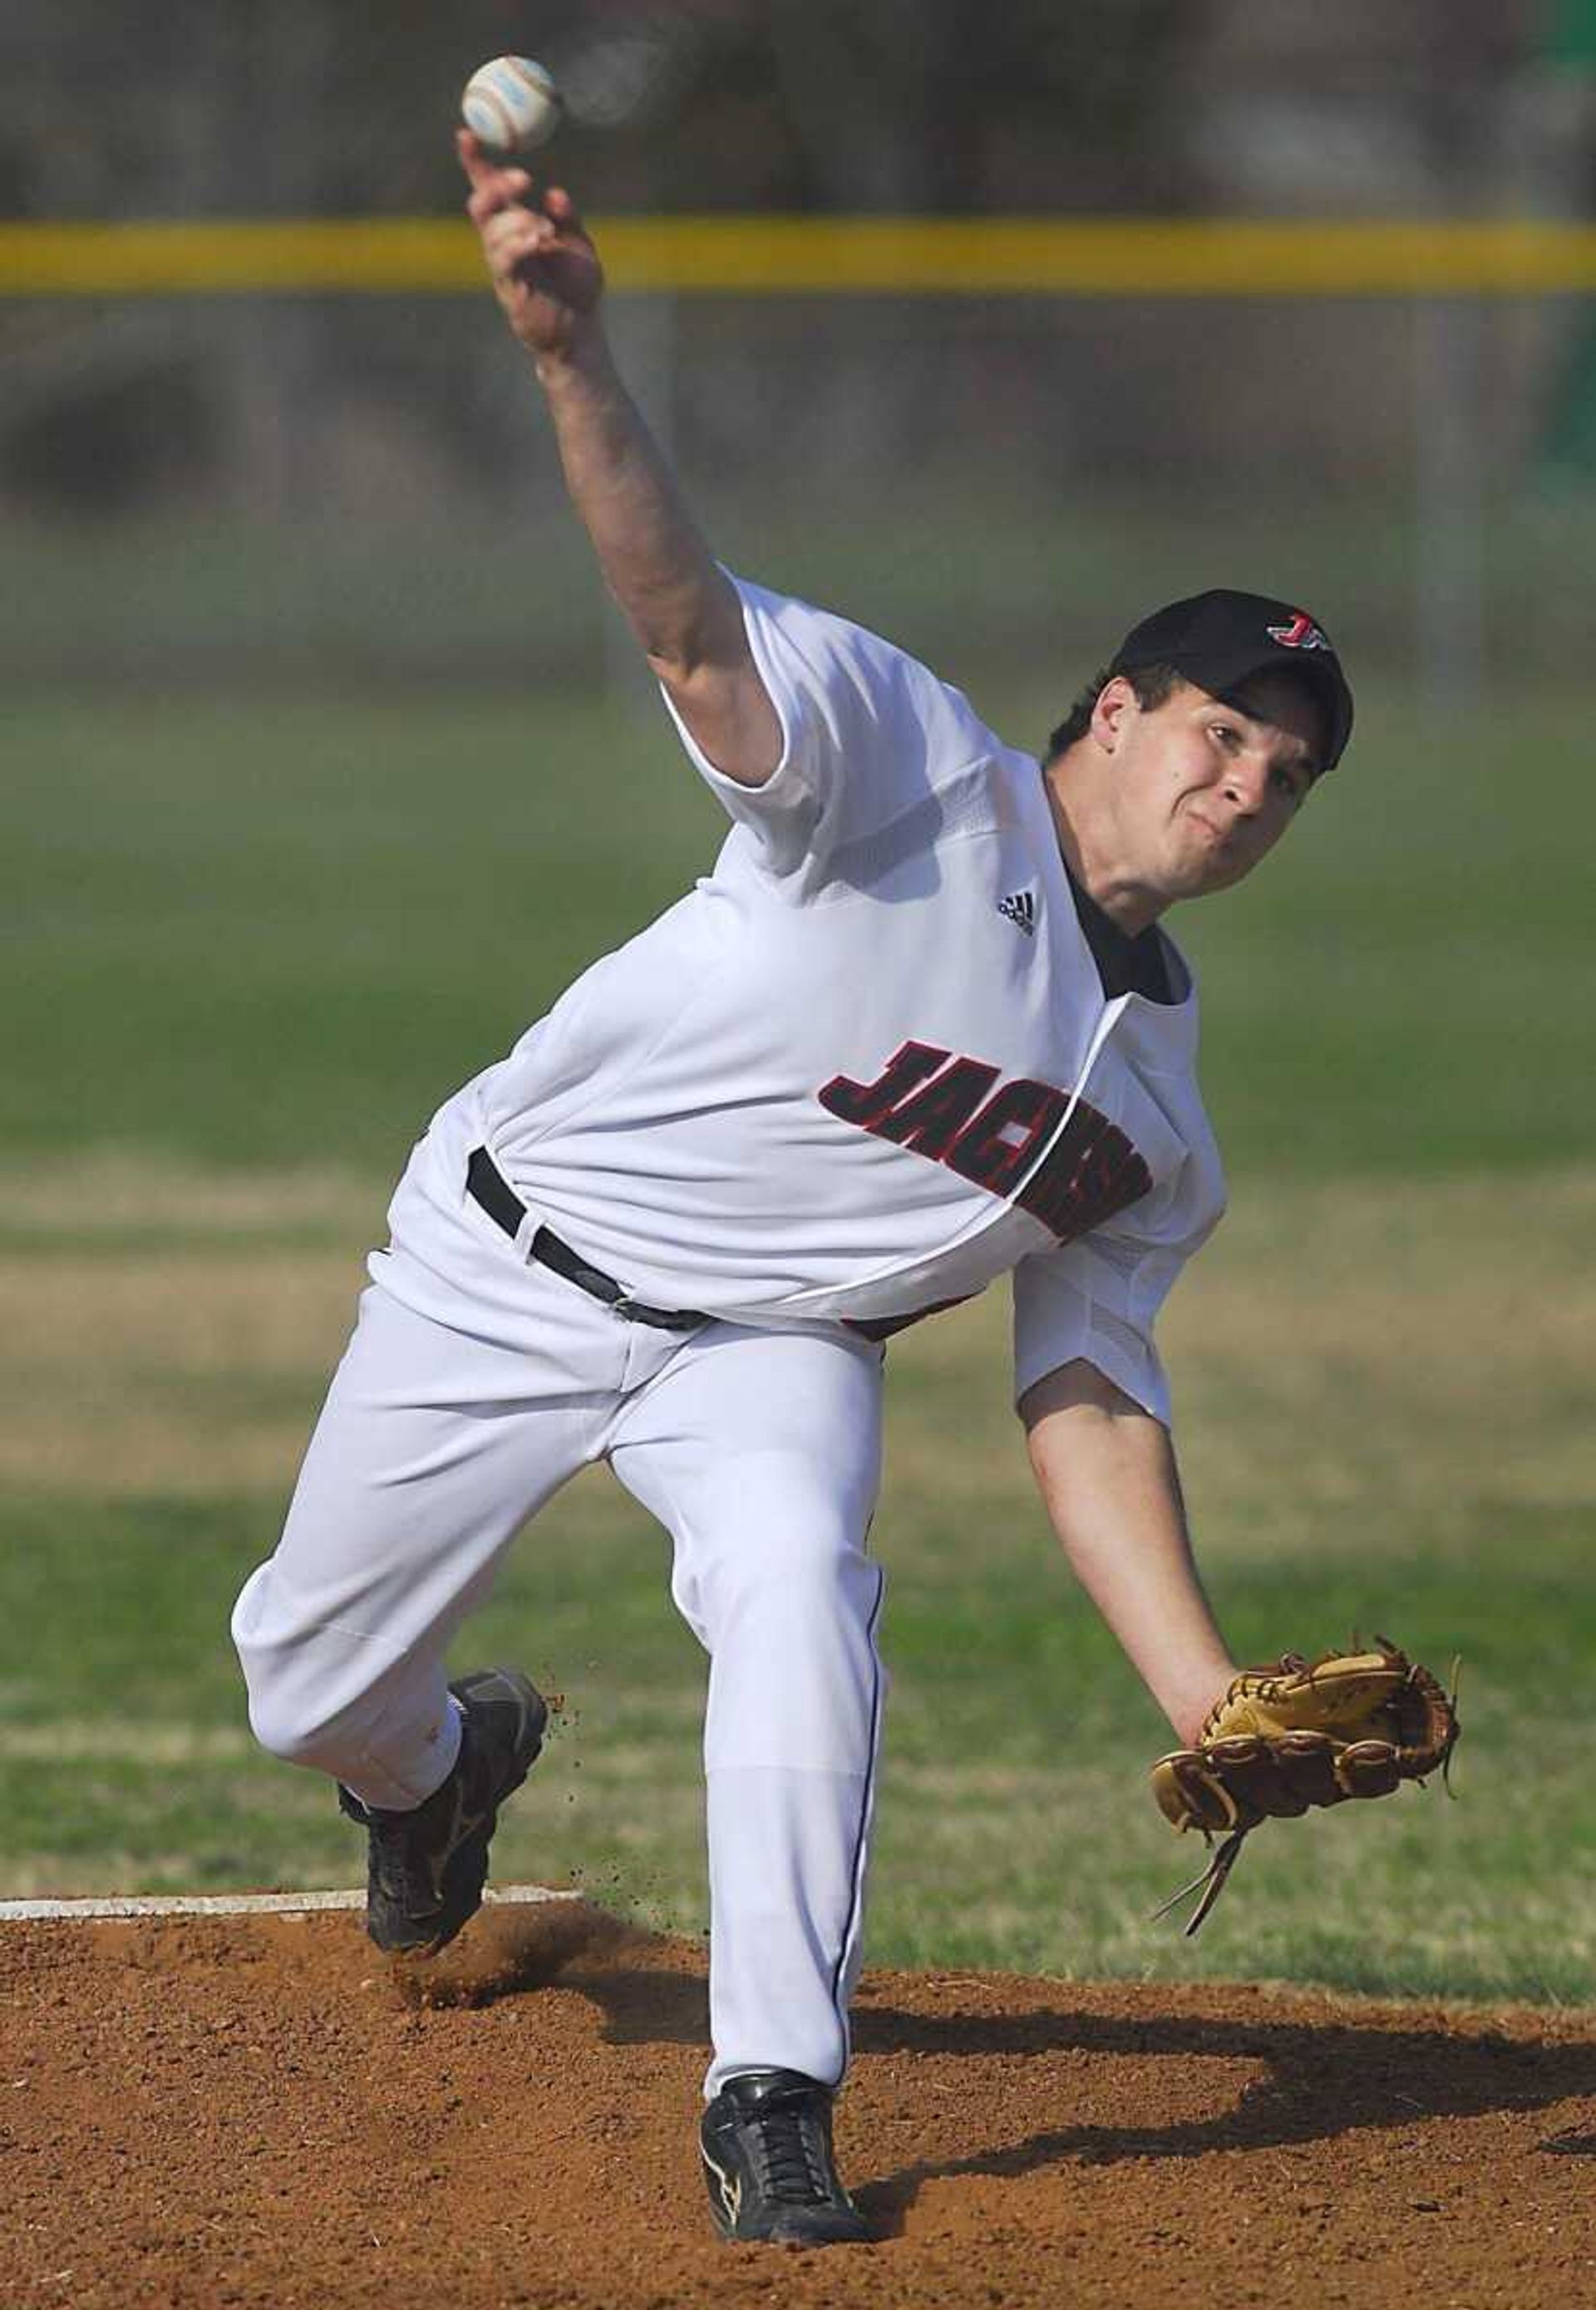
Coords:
492,188
484,172
558,204
508,191
514,238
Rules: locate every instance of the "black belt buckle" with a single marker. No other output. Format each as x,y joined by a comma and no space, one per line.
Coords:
658,1319
549,1251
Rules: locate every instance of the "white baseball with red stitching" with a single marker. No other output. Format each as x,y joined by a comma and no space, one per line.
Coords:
511,104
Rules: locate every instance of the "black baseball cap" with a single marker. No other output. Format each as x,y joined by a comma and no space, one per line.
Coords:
1218,638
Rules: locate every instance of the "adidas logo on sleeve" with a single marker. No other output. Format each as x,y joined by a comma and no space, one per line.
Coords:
1020,908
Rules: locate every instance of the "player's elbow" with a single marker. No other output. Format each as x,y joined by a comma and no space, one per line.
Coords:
691,629
728,711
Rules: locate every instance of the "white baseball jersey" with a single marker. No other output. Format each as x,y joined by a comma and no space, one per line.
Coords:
865,1067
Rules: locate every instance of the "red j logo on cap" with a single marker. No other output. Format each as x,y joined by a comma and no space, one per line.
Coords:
1302,633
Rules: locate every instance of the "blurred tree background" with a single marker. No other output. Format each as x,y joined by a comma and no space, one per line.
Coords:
164,464
1115,105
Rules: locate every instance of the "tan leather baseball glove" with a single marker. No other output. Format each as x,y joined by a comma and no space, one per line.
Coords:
1299,1734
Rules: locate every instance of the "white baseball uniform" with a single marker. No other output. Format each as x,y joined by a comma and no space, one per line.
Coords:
867,1065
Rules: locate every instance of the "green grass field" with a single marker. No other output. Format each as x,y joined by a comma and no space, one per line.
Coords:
253,941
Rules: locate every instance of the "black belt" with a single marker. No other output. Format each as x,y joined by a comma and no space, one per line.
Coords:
486,1185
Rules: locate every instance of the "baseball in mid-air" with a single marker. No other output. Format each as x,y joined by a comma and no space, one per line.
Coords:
512,105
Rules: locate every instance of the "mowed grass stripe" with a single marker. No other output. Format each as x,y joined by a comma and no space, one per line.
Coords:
278,937
1362,1350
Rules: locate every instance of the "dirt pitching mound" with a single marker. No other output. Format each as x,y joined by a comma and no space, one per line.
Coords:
258,2111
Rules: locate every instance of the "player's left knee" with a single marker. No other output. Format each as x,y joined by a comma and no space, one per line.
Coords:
290,1729
316,1693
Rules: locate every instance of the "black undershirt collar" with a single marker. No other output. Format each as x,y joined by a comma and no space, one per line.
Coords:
1125,965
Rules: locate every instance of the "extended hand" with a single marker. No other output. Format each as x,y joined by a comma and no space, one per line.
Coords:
545,270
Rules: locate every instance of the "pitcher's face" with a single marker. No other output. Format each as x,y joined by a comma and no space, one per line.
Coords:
1204,787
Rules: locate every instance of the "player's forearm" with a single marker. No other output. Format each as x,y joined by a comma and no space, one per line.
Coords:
1107,1474
549,282
681,606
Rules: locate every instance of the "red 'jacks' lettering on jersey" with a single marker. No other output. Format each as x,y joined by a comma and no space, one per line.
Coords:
945,1109
866,1103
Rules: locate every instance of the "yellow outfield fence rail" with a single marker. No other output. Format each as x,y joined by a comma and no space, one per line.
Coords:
778,256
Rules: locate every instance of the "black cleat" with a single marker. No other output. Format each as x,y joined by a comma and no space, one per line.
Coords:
767,2143
425,1869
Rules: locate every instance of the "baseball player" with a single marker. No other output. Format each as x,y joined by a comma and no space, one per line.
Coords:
918,1029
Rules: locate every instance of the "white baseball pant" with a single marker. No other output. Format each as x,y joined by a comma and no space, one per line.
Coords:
759,1452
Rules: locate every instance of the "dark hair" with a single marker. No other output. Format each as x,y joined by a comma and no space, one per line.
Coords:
1153,686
